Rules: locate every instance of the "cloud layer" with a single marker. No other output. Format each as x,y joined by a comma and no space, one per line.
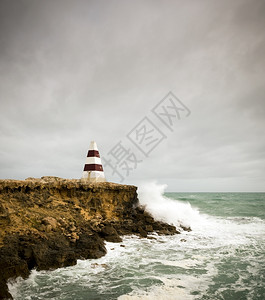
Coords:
75,71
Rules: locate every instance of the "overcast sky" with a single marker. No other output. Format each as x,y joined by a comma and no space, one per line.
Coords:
76,71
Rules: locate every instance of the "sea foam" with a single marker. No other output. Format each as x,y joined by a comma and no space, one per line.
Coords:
162,208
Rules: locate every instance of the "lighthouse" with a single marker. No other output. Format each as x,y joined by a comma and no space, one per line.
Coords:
93,170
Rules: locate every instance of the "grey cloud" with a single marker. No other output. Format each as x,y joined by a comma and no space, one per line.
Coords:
76,71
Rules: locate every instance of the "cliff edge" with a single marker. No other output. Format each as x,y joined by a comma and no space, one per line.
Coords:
51,222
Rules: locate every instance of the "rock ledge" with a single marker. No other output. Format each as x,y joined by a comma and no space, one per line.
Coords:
51,222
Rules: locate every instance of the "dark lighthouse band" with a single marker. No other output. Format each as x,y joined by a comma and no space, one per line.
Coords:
93,153
93,167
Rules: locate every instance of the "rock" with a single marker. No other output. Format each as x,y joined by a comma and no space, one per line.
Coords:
48,228
50,221
110,234
149,228
50,178
122,246
4,293
11,266
142,232
149,219
62,221
94,265
74,235
42,227
73,228
151,238
164,232
185,228
183,240
31,178
90,246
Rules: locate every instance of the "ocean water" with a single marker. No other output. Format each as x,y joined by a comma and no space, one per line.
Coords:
223,257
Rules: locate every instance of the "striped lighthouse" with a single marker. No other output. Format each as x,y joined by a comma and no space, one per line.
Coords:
93,170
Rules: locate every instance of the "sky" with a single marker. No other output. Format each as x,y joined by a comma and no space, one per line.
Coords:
76,71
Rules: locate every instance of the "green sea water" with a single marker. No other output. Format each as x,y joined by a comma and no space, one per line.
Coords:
223,257
225,204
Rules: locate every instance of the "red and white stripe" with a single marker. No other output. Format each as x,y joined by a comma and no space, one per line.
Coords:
93,170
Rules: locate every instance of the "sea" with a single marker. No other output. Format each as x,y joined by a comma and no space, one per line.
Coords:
223,257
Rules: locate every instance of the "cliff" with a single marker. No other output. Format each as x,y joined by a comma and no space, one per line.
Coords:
51,222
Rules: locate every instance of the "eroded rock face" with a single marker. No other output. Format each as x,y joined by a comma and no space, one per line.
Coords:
109,233
51,222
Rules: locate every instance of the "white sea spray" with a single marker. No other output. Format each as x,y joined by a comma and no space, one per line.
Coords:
151,195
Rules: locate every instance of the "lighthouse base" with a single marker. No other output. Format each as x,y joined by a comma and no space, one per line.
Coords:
94,176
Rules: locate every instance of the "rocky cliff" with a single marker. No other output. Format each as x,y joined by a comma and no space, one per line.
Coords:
51,222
